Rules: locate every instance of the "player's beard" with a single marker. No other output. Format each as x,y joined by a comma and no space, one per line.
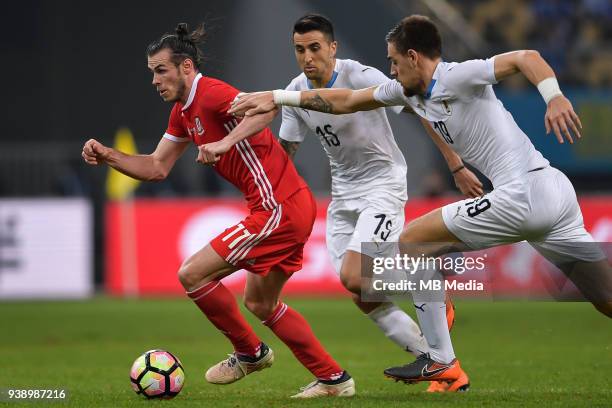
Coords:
181,89
408,92
414,90
313,76
317,75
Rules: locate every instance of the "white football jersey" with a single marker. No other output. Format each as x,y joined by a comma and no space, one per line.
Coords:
462,108
362,152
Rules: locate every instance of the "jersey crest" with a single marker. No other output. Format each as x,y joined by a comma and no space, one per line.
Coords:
447,108
199,127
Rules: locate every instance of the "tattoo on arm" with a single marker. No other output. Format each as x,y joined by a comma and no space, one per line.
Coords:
317,103
290,147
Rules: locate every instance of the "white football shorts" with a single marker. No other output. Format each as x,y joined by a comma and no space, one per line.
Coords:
542,210
378,219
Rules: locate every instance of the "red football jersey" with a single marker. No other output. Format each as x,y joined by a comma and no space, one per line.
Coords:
258,166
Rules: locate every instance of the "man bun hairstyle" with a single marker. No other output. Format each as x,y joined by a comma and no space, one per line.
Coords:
417,33
314,22
183,44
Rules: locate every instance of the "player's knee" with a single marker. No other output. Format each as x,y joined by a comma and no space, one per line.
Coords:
408,244
188,276
407,235
412,242
260,308
351,281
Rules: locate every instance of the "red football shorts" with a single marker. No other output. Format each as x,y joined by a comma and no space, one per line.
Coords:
270,239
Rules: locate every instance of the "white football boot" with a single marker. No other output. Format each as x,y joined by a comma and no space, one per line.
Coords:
236,366
318,389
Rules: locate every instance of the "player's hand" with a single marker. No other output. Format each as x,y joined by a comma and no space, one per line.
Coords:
467,182
561,118
252,103
210,153
95,153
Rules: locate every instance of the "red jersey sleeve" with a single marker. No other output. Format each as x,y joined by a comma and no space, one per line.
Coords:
175,130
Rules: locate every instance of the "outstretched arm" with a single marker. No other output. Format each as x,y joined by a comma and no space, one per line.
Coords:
145,167
210,153
336,101
339,101
528,62
465,179
560,116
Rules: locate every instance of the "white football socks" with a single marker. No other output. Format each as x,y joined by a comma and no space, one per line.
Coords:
399,328
432,319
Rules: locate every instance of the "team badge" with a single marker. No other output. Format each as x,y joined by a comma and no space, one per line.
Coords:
199,127
447,108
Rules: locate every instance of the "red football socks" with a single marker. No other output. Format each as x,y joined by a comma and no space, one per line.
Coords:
295,332
219,306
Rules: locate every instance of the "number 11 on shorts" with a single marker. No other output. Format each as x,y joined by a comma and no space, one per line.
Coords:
239,238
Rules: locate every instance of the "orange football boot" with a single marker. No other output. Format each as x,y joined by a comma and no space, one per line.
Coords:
426,369
460,384
436,386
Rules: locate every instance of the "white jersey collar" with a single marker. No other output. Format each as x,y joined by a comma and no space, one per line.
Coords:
434,79
192,92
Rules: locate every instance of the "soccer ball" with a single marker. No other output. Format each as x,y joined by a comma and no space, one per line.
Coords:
157,374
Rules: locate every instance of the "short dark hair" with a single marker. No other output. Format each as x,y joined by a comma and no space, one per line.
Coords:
182,44
417,33
314,22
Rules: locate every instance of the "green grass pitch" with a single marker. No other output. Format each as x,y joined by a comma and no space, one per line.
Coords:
524,354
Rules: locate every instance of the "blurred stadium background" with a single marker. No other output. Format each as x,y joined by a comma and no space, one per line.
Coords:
83,75
77,70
